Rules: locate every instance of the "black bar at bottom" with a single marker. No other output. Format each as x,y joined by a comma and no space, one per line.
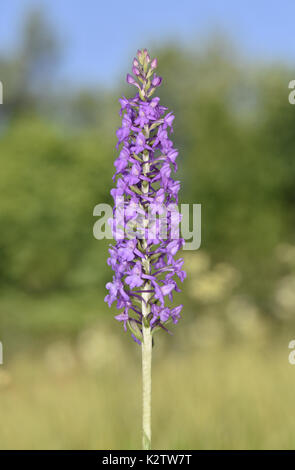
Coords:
133,459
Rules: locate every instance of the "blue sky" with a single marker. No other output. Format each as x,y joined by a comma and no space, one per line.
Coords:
101,37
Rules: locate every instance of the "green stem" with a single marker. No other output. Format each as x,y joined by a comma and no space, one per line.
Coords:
146,384
146,344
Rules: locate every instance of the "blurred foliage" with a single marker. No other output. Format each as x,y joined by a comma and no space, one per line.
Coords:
51,184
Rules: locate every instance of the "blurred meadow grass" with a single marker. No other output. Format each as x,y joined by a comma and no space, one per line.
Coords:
80,397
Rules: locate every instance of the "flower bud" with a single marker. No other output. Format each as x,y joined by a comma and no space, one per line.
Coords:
155,102
154,64
140,56
156,81
130,79
135,71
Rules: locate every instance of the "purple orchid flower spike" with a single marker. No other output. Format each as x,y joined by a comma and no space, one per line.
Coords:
146,271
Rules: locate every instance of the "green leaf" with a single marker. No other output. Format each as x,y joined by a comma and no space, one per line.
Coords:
134,328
